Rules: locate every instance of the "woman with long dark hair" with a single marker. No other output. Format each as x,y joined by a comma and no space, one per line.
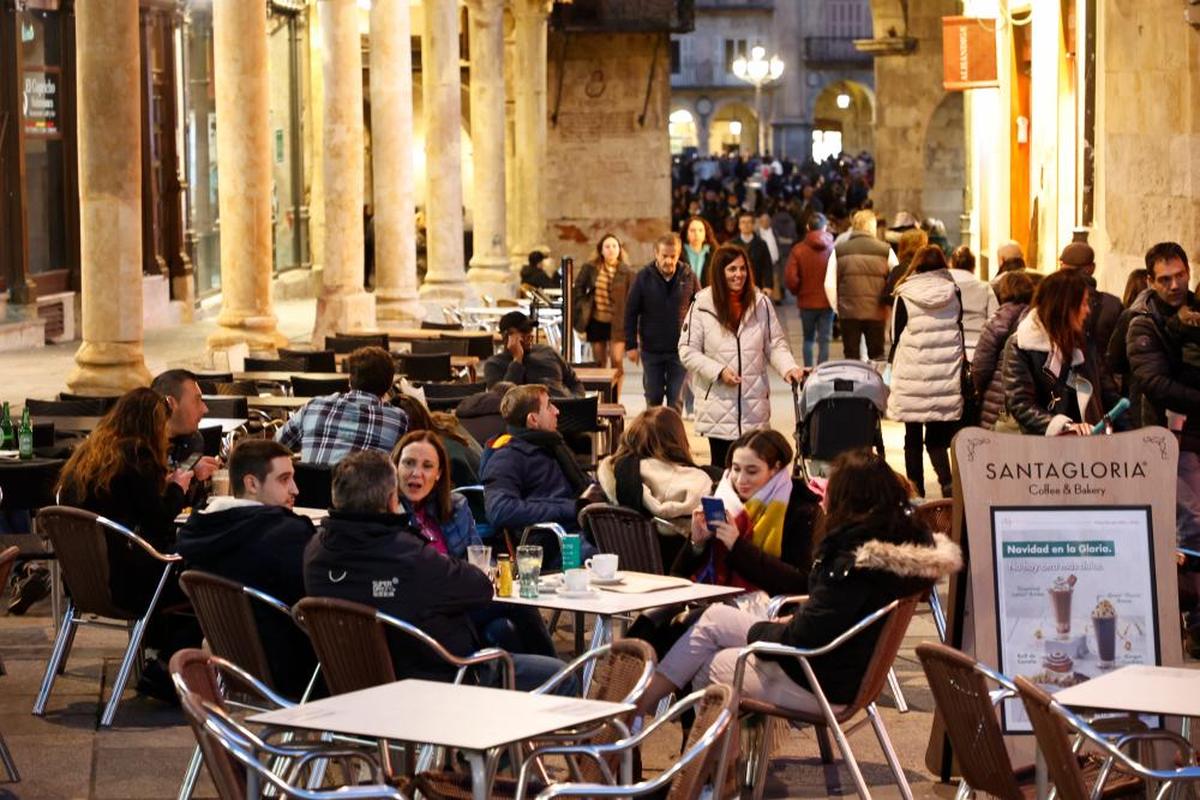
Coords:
872,553
601,288
1052,376
927,358
729,337
699,244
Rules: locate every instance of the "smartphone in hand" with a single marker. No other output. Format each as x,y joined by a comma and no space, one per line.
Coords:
714,511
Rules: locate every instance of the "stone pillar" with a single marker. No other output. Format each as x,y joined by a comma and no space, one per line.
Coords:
110,359
391,161
244,164
342,305
530,17
441,85
489,262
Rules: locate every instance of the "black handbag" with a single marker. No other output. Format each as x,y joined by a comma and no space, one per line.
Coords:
972,402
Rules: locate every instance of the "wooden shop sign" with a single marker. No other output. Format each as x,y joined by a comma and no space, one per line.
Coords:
969,53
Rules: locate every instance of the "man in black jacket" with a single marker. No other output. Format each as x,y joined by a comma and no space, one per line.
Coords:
524,361
256,539
760,254
652,336
1168,398
369,552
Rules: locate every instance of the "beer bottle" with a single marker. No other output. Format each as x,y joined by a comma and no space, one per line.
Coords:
504,576
25,435
7,440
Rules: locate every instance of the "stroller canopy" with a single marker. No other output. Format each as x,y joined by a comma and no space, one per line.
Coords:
838,379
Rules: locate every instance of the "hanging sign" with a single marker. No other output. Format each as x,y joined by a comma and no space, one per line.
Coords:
969,53
39,104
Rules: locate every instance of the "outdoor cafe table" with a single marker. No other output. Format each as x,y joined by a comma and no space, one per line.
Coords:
1140,689
609,602
601,379
88,424
472,719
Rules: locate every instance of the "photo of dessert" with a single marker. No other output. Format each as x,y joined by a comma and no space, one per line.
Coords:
1058,661
1104,622
1060,598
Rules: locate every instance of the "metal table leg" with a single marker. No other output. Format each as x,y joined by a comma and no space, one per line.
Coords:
601,635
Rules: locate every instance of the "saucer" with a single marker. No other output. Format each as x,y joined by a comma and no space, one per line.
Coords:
613,581
587,595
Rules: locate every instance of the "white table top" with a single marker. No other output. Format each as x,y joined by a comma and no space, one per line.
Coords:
608,603
1141,688
315,514
428,712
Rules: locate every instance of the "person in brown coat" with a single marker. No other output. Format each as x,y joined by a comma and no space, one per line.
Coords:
805,278
862,270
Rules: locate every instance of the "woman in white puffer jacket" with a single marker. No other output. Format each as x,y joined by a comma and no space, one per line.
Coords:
927,358
729,337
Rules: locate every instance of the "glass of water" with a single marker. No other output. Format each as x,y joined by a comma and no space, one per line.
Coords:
529,566
480,556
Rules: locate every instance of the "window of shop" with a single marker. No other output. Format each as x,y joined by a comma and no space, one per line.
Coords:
203,233
289,92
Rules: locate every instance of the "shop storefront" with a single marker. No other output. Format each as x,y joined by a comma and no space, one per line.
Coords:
39,199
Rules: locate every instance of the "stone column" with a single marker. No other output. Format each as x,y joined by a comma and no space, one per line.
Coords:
489,262
530,17
441,85
342,305
244,164
391,160
110,359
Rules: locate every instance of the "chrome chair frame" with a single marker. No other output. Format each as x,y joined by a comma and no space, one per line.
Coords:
720,730
759,757
71,622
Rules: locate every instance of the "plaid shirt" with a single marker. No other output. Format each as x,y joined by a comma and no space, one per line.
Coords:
327,429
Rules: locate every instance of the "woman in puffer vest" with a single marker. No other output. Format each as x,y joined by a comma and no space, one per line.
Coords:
729,337
927,358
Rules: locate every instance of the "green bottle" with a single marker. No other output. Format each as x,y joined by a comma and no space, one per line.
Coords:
7,440
25,435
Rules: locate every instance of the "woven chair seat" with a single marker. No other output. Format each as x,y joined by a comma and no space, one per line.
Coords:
446,785
1119,784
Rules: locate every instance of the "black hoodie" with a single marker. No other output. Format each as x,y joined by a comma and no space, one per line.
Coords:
262,547
378,560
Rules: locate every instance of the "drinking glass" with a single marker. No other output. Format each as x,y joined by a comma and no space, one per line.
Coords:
480,556
529,566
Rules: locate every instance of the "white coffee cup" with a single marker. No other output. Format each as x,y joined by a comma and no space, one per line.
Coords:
575,580
603,566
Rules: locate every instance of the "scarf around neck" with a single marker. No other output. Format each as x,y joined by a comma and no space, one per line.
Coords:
759,519
553,443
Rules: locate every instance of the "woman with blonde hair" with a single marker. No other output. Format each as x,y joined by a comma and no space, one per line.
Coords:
599,294
653,473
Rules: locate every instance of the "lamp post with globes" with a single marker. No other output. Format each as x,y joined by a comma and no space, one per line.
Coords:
758,70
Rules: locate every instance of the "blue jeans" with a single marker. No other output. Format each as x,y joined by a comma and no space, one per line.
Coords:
1187,501
662,377
530,672
817,324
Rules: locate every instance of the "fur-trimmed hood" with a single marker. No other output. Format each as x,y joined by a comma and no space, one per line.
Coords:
911,560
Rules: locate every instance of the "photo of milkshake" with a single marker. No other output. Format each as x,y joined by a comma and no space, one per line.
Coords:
1060,598
1104,620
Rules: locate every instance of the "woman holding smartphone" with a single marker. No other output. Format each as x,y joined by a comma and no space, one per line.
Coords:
763,539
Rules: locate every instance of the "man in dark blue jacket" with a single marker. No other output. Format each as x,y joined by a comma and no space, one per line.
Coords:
651,331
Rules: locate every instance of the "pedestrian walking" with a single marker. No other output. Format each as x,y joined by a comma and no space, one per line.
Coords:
805,278
600,293
859,270
730,336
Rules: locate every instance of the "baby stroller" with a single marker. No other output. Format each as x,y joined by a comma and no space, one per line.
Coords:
839,408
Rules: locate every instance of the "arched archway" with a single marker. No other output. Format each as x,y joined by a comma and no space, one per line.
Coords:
843,115
734,126
681,127
945,165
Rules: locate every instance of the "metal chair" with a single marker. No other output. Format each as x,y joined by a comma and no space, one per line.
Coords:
579,419
233,632
894,618
228,407
103,402
424,368
318,387
82,541
82,407
8,557
482,346
1054,727
315,483
455,347
208,381
685,779
624,532
231,753
314,360
346,343
936,516
960,690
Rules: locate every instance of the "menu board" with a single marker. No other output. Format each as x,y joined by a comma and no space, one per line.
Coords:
1075,594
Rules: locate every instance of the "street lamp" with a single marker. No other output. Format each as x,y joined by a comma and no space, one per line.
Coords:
758,69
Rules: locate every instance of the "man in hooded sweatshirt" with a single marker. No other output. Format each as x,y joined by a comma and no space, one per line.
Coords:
805,277
254,538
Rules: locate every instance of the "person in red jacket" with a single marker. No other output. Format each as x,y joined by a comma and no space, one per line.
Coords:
805,278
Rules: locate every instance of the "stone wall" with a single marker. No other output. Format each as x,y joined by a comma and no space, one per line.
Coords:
1148,135
909,91
605,171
